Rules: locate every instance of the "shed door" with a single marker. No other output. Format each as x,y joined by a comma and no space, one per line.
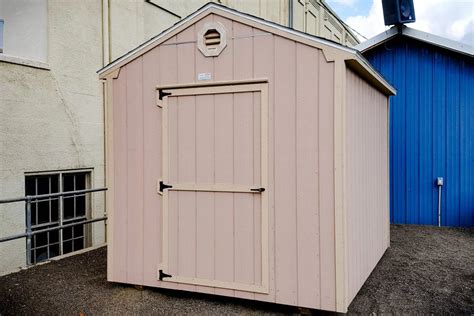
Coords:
215,222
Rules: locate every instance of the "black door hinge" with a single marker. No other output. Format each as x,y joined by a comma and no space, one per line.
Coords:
164,186
258,190
164,275
162,94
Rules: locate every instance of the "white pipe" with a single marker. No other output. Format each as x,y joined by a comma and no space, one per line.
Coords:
440,183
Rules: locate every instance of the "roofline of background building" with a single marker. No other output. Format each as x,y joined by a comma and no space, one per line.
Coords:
344,25
280,29
432,39
211,5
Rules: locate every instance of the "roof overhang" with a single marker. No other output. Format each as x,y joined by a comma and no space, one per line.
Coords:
435,40
352,57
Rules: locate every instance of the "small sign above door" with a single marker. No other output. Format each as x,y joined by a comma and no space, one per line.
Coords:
204,76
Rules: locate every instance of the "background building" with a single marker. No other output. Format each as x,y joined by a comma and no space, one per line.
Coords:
431,125
51,101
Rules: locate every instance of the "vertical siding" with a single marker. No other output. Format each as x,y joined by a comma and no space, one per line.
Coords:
285,173
152,146
134,171
367,180
301,184
431,131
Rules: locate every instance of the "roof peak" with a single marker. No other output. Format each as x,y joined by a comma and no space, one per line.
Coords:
429,38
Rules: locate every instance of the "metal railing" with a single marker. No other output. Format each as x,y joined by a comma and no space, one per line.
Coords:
29,232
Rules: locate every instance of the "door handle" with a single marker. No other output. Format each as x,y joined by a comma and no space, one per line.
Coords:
258,190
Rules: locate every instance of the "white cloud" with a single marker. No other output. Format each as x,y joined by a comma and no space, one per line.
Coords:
448,18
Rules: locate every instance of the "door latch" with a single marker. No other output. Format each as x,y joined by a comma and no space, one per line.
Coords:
164,275
258,190
164,186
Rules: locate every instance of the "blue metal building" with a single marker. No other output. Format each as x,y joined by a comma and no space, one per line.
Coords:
432,125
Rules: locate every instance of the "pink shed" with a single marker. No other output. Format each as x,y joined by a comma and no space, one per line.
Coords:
246,159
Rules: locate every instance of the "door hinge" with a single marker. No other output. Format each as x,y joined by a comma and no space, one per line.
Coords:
164,275
162,94
164,186
258,190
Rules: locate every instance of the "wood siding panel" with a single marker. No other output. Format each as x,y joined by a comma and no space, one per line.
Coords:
367,190
285,173
224,202
326,185
264,67
120,179
134,171
307,222
205,211
187,211
152,161
243,141
168,74
224,65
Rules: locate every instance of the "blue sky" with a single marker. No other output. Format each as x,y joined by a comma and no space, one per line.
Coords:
344,10
453,19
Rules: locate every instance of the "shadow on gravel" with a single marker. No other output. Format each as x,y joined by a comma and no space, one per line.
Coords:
426,270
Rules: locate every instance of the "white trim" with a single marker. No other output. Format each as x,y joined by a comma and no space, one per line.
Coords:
210,6
24,62
418,35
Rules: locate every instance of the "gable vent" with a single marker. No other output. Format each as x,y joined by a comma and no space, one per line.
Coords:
212,39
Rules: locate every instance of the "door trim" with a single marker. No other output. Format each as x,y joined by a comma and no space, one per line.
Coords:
259,85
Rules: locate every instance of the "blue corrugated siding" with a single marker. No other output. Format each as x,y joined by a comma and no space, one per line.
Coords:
431,131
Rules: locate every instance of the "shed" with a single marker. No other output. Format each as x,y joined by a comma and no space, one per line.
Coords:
431,121
246,159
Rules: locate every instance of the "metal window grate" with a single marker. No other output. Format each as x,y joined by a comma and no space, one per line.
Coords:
56,211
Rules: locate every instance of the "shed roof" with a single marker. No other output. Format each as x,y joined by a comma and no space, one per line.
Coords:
435,40
352,57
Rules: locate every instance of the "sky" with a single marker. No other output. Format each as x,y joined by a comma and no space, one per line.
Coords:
453,19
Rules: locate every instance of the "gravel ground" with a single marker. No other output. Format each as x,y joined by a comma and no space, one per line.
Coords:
426,270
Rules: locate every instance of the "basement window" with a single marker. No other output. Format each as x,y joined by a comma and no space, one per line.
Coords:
52,212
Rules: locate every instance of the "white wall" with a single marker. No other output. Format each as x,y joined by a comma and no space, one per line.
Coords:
25,28
52,119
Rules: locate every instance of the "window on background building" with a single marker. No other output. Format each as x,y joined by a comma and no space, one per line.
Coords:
23,33
51,212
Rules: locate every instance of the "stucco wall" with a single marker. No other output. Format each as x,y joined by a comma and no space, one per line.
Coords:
52,119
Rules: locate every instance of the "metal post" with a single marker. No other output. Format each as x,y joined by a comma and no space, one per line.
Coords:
28,231
439,183
439,206
290,14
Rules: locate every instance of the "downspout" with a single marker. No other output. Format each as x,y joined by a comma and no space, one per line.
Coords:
106,58
290,14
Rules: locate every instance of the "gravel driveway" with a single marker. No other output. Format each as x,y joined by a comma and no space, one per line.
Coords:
426,270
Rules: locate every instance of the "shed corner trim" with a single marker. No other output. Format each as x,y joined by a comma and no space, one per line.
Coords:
359,65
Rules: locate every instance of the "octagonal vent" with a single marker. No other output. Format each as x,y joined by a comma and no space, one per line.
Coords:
211,39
